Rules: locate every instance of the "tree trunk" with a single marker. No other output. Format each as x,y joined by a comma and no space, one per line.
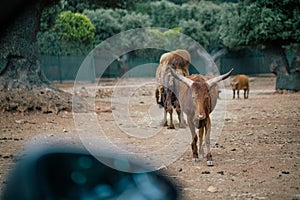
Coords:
19,65
23,86
287,78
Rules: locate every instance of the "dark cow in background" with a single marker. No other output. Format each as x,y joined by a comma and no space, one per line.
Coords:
164,93
240,82
198,98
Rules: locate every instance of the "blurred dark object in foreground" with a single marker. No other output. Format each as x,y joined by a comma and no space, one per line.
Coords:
58,173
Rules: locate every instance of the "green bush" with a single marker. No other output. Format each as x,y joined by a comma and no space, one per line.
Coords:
72,34
74,27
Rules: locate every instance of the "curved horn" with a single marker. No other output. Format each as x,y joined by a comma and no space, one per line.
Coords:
212,82
185,80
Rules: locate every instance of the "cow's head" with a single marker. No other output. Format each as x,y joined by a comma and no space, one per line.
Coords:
234,84
201,102
200,90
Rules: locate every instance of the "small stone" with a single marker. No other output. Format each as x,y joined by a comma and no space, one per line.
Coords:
227,119
221,172
212,189
20,121
209,163
65,130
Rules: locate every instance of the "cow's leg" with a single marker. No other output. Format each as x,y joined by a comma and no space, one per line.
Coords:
245,93
207,142
201,150
233,94
165,122
171,125
182,123
238,94
157,96
169,108
194,141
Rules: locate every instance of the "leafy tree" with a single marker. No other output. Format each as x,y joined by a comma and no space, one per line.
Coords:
270,25
195,30
109,22
162,13
78,6
81,5
105,22
202,22
135,20
48,17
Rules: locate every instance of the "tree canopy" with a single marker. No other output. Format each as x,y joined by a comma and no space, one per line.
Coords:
260,23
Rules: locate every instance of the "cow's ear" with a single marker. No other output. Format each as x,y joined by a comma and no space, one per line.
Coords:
181,78
212,86
235,83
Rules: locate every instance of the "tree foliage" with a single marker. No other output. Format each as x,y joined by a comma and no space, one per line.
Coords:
213,24
74,27
162,13
260,22
72,34
109,22
106,23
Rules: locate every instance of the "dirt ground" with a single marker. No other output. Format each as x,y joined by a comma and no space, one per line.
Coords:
256,156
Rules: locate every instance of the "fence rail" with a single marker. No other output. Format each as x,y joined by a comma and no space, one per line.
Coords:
62,68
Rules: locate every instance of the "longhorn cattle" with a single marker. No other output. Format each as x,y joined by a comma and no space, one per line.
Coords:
198,98
164,92
240,82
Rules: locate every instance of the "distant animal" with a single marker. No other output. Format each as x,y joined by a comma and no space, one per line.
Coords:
198,98
240,82
164,92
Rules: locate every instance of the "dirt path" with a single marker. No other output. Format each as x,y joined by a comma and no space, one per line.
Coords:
256,155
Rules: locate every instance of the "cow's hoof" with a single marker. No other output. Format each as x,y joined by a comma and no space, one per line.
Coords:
164,124
182,126
209,163
195,159
171,127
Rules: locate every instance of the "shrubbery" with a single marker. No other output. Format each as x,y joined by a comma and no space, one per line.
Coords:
72,34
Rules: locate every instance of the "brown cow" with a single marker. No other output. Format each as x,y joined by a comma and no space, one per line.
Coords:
240,82
164,94
198,98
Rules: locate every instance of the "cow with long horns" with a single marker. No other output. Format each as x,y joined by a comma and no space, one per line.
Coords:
198,98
